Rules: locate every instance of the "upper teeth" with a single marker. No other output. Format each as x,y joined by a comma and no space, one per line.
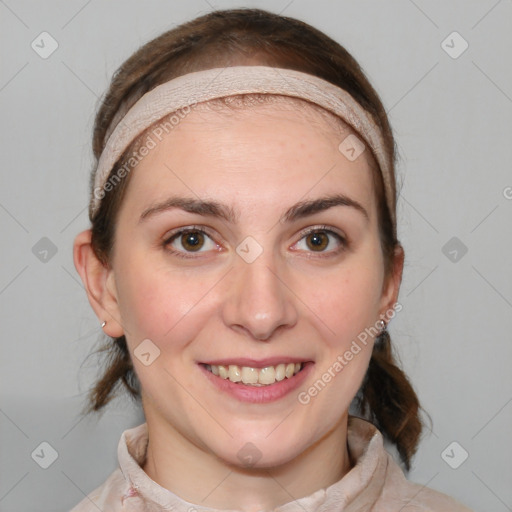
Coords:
255,376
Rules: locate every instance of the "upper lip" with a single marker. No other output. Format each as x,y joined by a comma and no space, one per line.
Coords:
255,363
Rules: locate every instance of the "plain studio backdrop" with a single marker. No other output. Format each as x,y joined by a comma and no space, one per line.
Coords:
443,71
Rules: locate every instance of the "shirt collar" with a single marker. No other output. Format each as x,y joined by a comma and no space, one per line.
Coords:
357,490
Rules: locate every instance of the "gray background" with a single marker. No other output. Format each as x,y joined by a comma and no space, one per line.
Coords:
452,120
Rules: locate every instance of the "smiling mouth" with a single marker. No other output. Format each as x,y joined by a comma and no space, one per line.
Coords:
255,376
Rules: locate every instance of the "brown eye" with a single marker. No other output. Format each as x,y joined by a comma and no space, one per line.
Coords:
192,241
317,241
321,240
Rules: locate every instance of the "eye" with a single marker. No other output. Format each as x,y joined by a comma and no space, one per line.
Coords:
190,240
321,239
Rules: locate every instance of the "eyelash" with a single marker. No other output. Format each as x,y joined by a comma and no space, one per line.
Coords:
201,229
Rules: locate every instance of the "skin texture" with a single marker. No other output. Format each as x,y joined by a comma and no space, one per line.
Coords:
291,301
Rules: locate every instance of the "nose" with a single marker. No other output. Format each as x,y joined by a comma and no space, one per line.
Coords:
259,300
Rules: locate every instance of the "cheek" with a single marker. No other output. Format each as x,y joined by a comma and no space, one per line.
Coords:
348,306
157,303
347,302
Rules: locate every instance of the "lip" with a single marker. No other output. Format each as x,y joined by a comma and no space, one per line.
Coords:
256,394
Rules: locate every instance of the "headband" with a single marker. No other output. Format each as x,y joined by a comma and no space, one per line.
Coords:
180,93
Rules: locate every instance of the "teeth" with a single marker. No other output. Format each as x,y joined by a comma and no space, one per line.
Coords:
234,373
223,371
267,375
254,376
249,375
280,372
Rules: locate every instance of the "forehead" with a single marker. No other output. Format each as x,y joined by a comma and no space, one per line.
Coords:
252,143
245,107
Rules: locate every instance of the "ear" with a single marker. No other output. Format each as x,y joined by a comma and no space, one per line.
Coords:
392,283
99,284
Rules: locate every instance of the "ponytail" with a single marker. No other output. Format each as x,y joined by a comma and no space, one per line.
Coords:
118,373
390,401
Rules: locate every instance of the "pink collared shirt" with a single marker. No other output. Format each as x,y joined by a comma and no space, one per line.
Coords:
375,483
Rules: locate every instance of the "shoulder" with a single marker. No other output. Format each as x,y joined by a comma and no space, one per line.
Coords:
406,496
418,498
108,496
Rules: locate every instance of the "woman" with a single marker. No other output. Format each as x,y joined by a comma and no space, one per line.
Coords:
243,260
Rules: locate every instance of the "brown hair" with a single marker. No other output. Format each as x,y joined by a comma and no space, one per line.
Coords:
238,37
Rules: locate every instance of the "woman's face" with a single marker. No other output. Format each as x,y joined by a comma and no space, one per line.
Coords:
248,239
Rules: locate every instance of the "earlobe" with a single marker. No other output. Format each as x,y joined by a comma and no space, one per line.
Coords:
99,284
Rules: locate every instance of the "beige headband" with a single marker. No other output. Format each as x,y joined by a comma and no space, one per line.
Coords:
179,94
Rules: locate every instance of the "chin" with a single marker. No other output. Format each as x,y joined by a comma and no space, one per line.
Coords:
250,458
256,452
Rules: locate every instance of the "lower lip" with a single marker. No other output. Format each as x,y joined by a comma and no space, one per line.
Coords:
259,394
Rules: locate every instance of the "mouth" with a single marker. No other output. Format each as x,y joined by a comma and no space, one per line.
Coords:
255,376
257,381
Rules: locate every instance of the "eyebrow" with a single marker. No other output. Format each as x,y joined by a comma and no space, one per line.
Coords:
215,209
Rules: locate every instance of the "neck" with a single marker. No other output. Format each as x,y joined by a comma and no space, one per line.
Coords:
199,477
